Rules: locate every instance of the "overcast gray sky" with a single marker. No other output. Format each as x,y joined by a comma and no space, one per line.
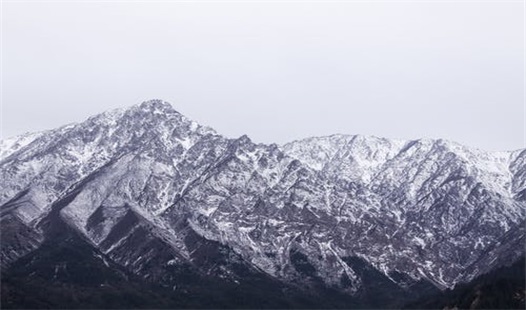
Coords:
276,71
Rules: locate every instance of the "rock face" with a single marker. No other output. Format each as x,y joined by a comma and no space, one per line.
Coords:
151,190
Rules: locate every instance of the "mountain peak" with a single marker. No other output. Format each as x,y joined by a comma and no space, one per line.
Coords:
155,104
153,110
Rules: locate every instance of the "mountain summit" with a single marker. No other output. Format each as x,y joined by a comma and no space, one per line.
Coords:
152,193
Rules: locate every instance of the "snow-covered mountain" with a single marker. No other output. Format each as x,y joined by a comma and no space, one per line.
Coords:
150,189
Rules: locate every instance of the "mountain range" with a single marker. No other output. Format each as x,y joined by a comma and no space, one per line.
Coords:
143,207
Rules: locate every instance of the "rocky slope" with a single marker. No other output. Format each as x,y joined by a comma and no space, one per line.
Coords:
151,191
502,288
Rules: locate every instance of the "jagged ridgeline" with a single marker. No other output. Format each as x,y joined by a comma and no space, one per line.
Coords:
145,208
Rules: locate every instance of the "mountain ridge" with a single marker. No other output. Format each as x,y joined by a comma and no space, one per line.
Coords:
138,184
160,105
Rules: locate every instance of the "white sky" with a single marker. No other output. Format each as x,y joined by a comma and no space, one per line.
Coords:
274,70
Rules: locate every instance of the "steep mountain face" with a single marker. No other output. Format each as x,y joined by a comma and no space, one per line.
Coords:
155,193
445,211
